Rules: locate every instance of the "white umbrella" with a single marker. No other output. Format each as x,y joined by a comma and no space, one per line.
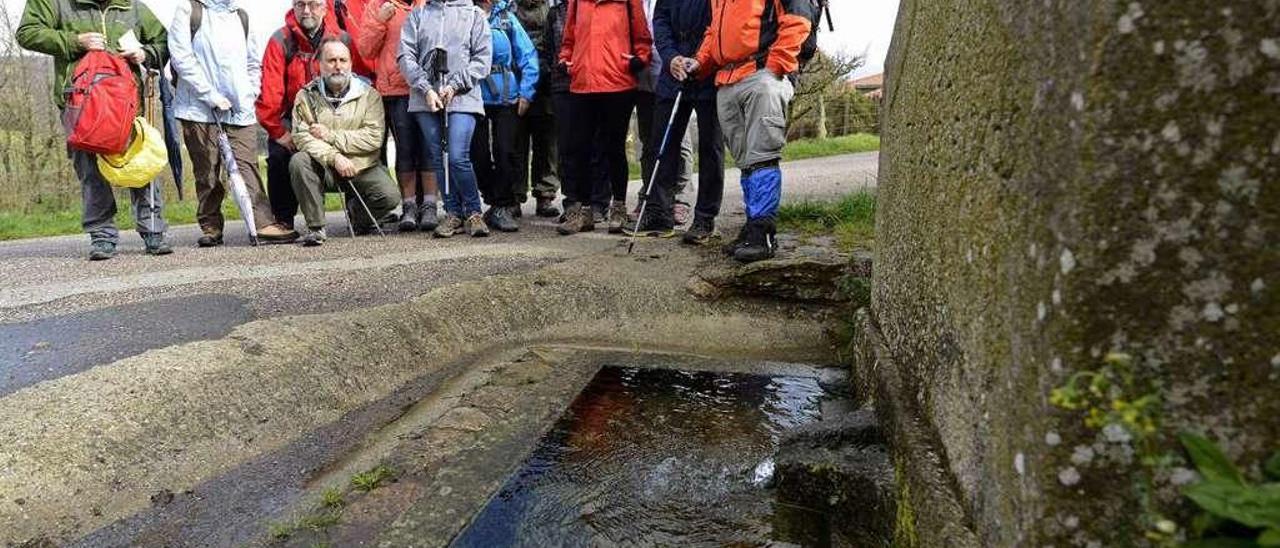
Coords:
239,190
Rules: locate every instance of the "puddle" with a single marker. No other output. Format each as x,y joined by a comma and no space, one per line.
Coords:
658,457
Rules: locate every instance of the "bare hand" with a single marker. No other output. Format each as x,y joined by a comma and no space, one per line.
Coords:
434,104
522,106
136,56
344,166
92,41
286,141
446,94
385,11
319,131
221,103
676,67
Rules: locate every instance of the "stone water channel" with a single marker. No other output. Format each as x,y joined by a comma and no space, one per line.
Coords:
704,423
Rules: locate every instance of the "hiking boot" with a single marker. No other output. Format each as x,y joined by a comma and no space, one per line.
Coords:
428,217
409,216
500,218
651,228
273,233
209,239
546,207
476,227
681,213
517,212
736,242
364,230
155,244
597,215
576,219
315,237
759,243
101,250
617,216
702,232
451,225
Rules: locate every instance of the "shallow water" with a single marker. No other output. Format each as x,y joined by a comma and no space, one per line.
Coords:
657,457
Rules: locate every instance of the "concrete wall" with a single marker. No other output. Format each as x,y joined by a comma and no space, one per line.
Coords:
1060,180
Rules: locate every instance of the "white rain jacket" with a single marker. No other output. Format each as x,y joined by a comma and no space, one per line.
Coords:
219,62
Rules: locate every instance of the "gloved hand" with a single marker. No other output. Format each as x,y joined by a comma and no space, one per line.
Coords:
635,65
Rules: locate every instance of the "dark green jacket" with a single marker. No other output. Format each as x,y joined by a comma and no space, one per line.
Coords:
51,26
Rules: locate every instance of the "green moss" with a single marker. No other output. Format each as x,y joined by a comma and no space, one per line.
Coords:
904,530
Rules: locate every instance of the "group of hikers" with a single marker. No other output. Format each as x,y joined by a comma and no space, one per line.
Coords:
487,102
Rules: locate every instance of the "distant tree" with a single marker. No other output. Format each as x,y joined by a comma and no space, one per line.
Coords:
823,77
34,170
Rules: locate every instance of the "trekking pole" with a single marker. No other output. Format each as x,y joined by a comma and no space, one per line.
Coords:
440,65
376,225
662,149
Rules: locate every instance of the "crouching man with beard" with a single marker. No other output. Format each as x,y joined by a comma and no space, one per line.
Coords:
338,124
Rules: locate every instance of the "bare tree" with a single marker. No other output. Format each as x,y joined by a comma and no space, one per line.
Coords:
34,171
822,76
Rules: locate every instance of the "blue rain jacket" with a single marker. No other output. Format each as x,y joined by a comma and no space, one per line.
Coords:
514,74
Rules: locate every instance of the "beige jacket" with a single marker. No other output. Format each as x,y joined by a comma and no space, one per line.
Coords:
356,125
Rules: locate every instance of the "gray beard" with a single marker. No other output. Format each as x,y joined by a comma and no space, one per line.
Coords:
337,84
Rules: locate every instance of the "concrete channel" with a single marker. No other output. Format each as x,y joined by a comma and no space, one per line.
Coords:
248,438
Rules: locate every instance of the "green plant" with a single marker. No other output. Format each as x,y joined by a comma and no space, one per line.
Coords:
1112,395
321,521
372,479
280,530
332,498
1236,512
1115,400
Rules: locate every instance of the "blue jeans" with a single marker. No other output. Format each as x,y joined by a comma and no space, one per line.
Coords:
463,196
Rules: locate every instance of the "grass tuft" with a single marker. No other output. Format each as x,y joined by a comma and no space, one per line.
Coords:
372,479
851,219
332,498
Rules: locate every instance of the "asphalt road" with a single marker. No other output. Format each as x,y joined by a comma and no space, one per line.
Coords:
60,314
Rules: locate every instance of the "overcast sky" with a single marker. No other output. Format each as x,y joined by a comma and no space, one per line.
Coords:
862,26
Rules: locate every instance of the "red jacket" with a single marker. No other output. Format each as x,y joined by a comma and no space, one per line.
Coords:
379,44
733,44
281,83
598,46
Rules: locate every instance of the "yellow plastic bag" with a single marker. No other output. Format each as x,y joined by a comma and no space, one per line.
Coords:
139,164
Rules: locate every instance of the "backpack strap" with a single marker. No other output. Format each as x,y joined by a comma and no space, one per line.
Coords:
197,18
340,13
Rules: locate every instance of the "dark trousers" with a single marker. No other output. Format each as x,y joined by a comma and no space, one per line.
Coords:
493,157
536,130
284,205
599,128
710,157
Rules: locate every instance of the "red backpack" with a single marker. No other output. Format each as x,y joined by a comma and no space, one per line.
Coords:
102,101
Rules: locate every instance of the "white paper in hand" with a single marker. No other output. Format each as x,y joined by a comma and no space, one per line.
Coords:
129,41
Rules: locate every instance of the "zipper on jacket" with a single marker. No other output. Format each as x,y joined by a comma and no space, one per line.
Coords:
720,32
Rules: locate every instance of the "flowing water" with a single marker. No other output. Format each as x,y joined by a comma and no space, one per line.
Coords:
657,457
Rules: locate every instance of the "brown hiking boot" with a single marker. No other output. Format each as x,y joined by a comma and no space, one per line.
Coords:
576,219
277,233
476,226
451,225
616,216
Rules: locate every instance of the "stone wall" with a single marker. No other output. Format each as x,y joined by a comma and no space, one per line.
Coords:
1062,180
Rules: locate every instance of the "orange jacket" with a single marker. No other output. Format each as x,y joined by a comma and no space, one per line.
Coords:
598,46
743,39
379,43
